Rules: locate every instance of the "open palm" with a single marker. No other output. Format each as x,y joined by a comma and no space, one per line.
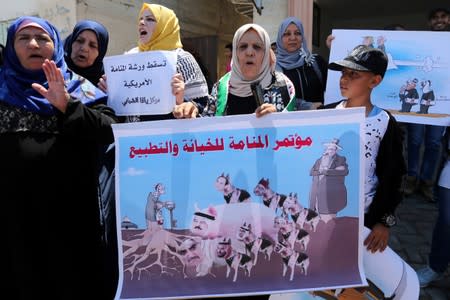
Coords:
56,93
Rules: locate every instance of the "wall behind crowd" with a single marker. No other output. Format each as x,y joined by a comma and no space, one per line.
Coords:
61,13
215,21
272,15
198,18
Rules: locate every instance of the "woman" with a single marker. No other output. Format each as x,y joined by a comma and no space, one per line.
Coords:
307,71
252,68
50,130
228,54
85,49
158,29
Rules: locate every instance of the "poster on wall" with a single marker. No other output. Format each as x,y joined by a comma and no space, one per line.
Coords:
240,205
415,88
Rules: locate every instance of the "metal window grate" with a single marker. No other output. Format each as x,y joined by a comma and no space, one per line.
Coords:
245,7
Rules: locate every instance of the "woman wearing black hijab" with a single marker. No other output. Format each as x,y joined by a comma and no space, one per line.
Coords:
50,131
85,49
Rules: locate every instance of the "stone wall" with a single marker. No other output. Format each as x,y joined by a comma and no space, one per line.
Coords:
61,13
198,18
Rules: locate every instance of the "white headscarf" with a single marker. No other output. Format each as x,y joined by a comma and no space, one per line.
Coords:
239,86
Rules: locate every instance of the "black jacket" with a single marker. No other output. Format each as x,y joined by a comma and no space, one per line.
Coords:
308,85
52,234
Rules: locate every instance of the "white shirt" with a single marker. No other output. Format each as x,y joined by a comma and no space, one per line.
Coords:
375,127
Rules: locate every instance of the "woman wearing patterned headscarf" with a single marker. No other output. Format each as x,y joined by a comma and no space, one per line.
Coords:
307,71
252,68
51,125
158,29
85,49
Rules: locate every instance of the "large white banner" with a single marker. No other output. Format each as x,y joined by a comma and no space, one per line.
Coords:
240,205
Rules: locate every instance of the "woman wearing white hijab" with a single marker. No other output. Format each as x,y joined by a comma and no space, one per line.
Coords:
253,64
307,71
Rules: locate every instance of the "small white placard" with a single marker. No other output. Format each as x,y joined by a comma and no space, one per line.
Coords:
140,83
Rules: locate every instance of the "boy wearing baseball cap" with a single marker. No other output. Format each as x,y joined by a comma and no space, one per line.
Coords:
362,71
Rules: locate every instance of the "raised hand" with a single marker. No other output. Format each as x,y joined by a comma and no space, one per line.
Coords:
56,93
329,40
178,87
102,84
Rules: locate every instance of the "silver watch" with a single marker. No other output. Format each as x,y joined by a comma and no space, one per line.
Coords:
389,220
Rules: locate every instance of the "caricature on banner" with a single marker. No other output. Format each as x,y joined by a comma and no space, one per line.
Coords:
140,83
416,86
239,190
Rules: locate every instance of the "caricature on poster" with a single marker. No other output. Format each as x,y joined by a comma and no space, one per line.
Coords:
388,276
240,205
416,87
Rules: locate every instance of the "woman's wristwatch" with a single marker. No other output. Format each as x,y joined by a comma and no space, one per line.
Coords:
388,220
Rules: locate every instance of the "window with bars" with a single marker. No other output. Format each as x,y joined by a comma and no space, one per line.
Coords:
4,31
4,24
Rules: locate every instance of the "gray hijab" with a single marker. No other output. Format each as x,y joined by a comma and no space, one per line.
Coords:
239,86
291,60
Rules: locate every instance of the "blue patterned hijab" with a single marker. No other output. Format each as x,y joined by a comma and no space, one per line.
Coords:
94,72
15,80
291,60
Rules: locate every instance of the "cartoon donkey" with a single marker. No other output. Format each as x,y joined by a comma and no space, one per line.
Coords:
231,194
292,258
254,244
289,231
301,215
270,198
233,259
